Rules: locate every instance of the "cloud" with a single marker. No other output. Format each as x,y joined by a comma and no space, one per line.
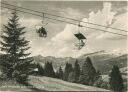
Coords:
67,34
29,22
96,40
71,13
120,23
107,17
61,40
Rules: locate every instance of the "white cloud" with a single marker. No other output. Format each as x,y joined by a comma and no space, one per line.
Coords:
120,23
29,22
67,34
71,13
62,44
96,40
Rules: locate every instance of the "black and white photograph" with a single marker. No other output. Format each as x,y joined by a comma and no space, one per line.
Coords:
63,46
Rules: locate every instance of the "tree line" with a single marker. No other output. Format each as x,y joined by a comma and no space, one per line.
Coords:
86,75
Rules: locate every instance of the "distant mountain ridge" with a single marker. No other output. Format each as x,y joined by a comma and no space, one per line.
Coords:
101,60
57,62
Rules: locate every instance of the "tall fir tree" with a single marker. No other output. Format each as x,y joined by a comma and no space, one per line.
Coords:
48,70
60,74
98,79
40,69
66,72
81,78
71,77
76,71
52,70
68,69
116,81
88,73
15,59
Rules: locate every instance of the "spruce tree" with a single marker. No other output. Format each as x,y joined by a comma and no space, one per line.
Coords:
52,72
15,59
66,72
76,71
98,79
88,73
40,69
116,81
68,69
60,74
45,69
48,70
71,77
81,78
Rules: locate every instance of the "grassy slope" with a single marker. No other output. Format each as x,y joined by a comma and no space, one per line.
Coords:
12,86
52,84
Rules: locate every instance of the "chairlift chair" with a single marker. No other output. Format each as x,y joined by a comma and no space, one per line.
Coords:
42,30
81,39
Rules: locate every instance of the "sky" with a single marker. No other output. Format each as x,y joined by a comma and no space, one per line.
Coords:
61,40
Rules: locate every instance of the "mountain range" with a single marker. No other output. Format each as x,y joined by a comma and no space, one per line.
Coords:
101,60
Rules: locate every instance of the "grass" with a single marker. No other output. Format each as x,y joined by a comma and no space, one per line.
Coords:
12,85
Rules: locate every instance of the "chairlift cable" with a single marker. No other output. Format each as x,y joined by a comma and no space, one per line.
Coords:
64,17
65,21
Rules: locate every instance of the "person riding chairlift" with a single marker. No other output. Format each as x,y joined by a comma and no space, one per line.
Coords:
42,32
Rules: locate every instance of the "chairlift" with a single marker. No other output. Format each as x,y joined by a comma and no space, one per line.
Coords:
81,39
42,30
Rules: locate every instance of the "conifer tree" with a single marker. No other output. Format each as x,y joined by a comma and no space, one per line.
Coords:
98,79
66,72
82,78
15,59
48,70
60,74
88,73
40,69
116,81
45,69
76,71
52,70
68,69
71,77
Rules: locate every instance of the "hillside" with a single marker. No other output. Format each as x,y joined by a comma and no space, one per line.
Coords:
101,60
57,62
106,65
123,71
96,56
12,86
52,84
